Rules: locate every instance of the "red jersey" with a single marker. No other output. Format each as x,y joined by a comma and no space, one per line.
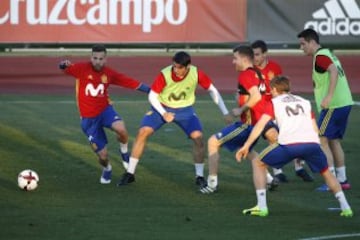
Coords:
248,79
323,62
159,82
271,70
92,87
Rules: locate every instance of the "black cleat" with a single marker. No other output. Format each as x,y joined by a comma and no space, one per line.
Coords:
126,179
201,182
273,185
302,173
208,190
281,177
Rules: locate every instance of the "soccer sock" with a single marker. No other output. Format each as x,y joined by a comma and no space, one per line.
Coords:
340,196
108,167
132,165
297,165
277,171
199,169
269,178
212,181
261,198
332,170
123,147
341,174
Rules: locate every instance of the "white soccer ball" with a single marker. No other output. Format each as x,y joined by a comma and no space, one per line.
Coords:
28,180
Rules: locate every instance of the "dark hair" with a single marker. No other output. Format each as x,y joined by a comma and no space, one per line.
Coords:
260,44
244,50
281,83
182,58
309,34
98,48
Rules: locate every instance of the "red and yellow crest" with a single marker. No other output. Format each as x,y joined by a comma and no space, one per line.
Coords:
271,75
104,79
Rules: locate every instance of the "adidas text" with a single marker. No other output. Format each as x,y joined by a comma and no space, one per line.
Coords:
335,27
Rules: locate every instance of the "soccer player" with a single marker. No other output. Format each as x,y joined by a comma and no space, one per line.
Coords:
251,100
96,112
298,138
333,101
270,69
172,97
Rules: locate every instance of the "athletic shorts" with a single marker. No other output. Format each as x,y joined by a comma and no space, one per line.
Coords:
277,155
185,118
269,125
234,136
94,127
333,122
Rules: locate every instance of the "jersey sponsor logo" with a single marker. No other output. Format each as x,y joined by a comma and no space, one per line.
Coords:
337,17
92,91
146,13
262,88
294,111
175,97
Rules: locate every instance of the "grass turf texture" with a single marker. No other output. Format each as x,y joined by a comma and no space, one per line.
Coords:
43,133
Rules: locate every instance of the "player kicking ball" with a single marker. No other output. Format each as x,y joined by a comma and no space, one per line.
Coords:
298,138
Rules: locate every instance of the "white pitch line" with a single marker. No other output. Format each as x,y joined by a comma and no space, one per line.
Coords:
332,236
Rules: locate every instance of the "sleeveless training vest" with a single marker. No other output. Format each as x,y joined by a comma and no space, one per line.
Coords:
179,94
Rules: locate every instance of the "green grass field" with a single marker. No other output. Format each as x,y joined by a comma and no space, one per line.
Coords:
43,133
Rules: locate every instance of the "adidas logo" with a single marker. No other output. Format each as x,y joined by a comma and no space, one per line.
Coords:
337,17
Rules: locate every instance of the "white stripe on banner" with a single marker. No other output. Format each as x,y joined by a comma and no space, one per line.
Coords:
351,8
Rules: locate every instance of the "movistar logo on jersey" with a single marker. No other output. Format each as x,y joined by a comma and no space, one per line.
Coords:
337,17
178,97
92,91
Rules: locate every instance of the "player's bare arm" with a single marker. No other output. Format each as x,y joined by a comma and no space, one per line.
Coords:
333,77
255,97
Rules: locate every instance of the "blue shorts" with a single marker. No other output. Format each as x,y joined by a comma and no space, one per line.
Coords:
269,125
185,118
333,122
234,136
94,127
277,155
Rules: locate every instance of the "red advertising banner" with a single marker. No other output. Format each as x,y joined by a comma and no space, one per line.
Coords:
122,21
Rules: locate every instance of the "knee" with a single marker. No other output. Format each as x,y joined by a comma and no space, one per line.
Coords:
271,135
103,157
213,143
257,163
121,131
102,153
198,141
144,133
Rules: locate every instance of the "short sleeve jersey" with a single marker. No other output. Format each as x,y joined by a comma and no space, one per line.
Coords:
92,87
248,79
179,92
323,58
294,118
159,83
271,70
